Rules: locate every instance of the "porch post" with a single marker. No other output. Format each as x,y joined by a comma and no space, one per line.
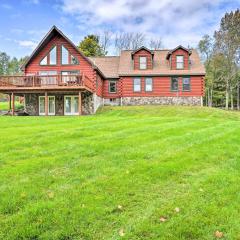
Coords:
13,103
80,103
10,102
46,104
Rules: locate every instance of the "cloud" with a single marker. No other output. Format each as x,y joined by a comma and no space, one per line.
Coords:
176,22
27,44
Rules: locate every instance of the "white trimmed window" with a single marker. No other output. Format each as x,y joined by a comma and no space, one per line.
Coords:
142,63
186,84
137,84
51,105
53,56
180,62
64,55
148,84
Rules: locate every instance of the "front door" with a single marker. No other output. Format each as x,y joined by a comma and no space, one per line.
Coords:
71,105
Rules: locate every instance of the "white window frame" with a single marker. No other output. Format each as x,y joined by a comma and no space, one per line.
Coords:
146,90
143,65
63,63
43,114
54,60
134,85
180,62
72,105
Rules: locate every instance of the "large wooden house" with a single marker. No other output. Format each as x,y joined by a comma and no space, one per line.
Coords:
59,80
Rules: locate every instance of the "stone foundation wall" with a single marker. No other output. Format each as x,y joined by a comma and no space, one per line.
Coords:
97,101
109,102
32,103
196,101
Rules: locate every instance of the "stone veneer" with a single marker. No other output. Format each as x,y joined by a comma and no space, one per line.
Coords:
162,101
88,103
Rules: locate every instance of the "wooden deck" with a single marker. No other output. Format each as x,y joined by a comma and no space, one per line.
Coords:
38,83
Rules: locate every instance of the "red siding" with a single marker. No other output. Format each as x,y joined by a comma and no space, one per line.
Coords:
142,53
99,85
162,87
84,66
106,93
185,56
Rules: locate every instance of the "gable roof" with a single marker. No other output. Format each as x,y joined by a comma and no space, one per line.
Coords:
52,32
178,47
142,48
115,67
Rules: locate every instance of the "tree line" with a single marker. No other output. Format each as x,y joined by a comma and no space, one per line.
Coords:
221,55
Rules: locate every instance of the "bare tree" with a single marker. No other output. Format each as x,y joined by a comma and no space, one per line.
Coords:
105,41
127,41
155,44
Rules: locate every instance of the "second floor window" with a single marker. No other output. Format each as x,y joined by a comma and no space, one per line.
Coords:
174,84
137,84
148,84
142,63
53,56
112,87
179,62
65,55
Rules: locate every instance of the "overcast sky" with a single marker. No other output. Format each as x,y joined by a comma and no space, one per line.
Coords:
23,23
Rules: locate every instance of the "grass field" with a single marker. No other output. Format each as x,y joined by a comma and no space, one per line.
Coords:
5,105
125,173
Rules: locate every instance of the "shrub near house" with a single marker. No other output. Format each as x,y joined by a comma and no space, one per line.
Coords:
60,80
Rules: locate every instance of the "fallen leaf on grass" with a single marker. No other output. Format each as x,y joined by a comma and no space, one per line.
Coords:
177,209
50,194
120,207
218,234
121,232
163,219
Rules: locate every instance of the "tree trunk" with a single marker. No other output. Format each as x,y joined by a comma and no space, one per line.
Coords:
231,99
238,107
227,96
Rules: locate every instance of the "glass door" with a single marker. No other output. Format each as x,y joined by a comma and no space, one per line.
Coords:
71,105
41,105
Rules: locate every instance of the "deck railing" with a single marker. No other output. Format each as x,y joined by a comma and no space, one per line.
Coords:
44,81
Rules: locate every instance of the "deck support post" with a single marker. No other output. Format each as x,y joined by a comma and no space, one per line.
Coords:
80,103
13,103
46,104
10,103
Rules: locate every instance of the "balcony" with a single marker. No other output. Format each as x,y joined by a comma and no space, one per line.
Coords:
50,82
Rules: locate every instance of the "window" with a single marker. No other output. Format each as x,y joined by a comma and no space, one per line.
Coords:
143,63
179,60
48,77
174,84
69,76
74,60
44,61
53,56
65,55
112,87
186,84
71,105
51,105
148,84
137,84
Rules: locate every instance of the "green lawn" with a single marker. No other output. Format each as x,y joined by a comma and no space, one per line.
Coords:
117,174
5,105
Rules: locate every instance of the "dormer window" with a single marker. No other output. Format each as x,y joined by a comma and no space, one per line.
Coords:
142,63
180,62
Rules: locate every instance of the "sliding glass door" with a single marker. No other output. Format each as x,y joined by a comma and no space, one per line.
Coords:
71,105
51,105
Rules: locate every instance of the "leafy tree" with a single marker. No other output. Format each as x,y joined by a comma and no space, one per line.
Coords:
4,63
91,47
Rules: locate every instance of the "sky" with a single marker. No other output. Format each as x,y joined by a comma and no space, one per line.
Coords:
23,23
